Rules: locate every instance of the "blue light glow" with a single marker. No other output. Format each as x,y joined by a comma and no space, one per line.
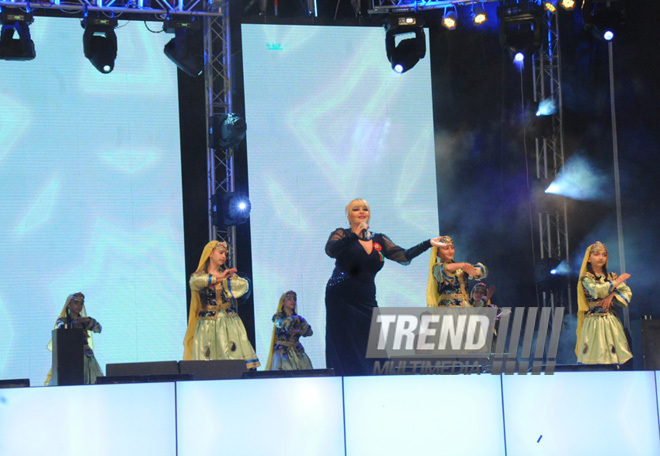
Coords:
580,180
608,35
398,68
519,57
546,108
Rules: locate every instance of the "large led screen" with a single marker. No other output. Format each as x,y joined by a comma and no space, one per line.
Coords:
91,198
329,121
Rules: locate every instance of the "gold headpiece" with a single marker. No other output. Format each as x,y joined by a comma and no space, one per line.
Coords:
597,246
446,240
221,245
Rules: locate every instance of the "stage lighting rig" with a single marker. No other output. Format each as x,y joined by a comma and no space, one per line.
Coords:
227,130
550,6
230,208
186,49
15,40
479,16
100,41
604,19
520,28
568,5
405,42
449,20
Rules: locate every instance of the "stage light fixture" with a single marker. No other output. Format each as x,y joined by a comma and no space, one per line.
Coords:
405,42
100,42
520,29
227,130
15,40
449,20
568,5
550,6
604,19
479,16
545,274
230,208
186,49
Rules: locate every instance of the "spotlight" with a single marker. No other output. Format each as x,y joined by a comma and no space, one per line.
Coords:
100,42
186,49
449,20
550,6
604,19
227,130
520,29
568,5
231,208
479,16
21,47
546,279
405,42
546,107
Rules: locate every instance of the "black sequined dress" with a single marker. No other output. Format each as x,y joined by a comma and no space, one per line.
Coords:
350,296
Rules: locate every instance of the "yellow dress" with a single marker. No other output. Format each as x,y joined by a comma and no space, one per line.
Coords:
220,333
602,339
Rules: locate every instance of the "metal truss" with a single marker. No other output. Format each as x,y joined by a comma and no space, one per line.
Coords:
220,162
552,218
115,8
407,6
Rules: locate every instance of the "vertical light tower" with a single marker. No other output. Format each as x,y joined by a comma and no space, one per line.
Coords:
549,151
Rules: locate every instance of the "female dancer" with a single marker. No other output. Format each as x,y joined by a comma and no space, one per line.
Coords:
286,351
448,279
74,315
600,335
350,294
215,331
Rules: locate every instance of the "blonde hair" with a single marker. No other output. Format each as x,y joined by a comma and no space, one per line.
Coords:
356,202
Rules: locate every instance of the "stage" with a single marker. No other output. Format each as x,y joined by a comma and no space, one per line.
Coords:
565,413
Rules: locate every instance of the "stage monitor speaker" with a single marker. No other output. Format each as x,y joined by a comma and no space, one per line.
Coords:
143,379
222,369
290,373
651,344
142,369
15,383
68,356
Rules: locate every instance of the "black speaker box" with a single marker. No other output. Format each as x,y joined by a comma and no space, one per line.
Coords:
651,344
290,373
142,379
15,383
68,357
213,370
142,369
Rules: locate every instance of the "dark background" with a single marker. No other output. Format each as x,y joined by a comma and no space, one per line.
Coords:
485,147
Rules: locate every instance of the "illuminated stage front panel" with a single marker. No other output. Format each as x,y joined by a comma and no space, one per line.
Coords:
430,414
105,420
581,413
261,417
